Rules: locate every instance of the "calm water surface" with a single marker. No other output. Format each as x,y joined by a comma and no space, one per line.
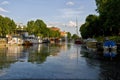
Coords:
53,61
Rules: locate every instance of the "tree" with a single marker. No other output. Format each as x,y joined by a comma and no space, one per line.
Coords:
75,36
41,27
109,11
68,35
91,27
7,26
30,27
38,28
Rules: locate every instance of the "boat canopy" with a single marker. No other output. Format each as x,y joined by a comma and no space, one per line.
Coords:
109,43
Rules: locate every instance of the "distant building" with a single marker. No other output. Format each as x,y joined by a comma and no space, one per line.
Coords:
55,29
63,34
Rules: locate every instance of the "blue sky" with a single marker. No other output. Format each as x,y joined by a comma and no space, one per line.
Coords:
58,13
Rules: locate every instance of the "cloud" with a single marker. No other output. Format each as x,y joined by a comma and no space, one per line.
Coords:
5,3
71,24
70,12
55,24
3,10
60,24
70,3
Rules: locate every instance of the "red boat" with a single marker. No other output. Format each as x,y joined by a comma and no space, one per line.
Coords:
78,41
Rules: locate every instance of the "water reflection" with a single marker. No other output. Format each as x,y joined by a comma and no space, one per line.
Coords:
9,55
34,54
107,62
56,61
111,54
110,70
99,53
38,55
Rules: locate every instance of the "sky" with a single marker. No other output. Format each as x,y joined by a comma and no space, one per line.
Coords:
58,13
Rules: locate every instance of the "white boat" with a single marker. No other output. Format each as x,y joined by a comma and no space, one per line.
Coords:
16,40
32,40
91,42
40,40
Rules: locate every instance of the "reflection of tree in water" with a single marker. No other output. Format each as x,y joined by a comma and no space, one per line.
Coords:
4,60
68,46
38,56
110,70
44,51
54,49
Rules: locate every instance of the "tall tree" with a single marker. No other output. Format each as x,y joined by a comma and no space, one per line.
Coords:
109,11
30,27
91,27
7,26
38,28
68,35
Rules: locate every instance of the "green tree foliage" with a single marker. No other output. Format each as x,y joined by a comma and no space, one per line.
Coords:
30,27
75,36
107,23
54,34
91,27
37,28
7,26
68,35
41,27
109,11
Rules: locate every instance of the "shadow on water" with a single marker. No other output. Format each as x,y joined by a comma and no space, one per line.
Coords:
105,55
108,62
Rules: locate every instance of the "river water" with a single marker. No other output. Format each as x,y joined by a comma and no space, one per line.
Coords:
53,61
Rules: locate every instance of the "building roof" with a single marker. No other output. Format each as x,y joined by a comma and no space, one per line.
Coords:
55,28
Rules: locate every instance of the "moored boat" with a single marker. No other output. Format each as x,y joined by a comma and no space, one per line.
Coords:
110,48
91,42
15,40
109,45
78,41
27,43
31,39
46,41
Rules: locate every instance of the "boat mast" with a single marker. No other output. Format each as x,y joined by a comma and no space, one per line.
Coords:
76,26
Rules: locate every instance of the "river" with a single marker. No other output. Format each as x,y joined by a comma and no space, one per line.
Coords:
53,61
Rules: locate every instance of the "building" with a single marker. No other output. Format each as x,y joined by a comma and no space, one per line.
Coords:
55,29
62,33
